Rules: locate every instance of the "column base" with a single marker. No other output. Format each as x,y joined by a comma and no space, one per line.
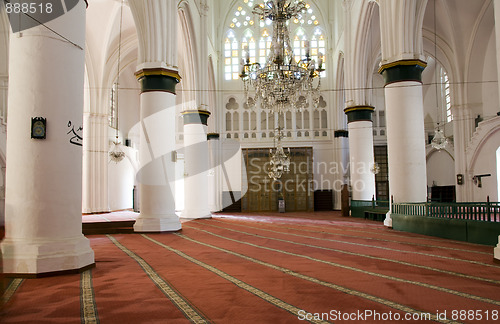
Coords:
45,256
195,214
496,251
388,220
163,223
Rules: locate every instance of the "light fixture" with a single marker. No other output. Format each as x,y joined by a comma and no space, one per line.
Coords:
375,169
281,81
280,161
439,141
116,153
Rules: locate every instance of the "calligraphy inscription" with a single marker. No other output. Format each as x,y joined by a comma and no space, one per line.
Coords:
76,138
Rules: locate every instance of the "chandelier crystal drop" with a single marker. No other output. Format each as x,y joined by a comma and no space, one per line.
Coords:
281,81
280,161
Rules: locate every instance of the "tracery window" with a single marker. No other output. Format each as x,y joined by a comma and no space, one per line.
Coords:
445,90
247,31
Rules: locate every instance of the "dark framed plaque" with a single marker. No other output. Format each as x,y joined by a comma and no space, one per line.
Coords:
38,128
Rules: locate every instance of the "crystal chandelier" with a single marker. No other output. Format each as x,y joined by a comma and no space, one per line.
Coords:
280,161
116,154
375,169
439,141
281,81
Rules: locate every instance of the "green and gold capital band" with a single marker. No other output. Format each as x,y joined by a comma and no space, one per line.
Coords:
158,79
359,113
196,116
403,70
213,136
341,133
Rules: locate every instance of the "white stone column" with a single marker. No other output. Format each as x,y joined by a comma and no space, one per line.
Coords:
196,165
156,22
96,158
341,156
44,176
405,132
406,142
214,190
497,36
462,132
361,152
401,66
156,176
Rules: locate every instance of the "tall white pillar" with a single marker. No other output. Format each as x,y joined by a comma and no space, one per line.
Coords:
196,165
156,176
214,190
43,225
406,141
462,132
361,152
497,36
405,132
341,154
157,22
96,158
401,66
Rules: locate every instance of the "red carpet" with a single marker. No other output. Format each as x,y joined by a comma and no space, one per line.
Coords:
276,268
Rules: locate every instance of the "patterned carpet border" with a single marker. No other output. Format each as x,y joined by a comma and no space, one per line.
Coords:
334,264
457,274
241,284
352,292
191,313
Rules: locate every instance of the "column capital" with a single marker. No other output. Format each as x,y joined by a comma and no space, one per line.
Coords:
158,79
359,113
402,70
195,116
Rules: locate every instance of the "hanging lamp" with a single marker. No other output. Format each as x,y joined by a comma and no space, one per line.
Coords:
279,161
116,153
439,140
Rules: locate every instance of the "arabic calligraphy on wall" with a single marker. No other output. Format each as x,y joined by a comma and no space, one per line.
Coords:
76,134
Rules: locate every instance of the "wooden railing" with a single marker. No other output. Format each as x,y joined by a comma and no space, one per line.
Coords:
370,203
360,208
478,211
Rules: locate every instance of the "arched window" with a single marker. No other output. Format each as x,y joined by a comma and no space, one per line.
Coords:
247,33
445,91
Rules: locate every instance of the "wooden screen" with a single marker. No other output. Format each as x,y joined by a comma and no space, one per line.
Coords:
295,186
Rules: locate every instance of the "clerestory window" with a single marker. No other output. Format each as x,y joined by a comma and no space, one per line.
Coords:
248,31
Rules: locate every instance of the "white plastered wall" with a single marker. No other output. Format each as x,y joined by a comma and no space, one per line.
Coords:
482,159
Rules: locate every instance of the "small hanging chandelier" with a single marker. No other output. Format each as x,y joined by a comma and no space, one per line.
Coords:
375,169
116,153
281,81
439,141
280,161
